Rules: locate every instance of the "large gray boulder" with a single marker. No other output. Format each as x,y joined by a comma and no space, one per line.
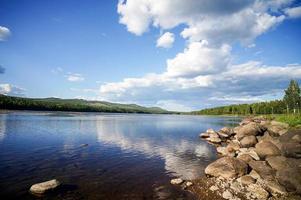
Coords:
277,128
281,162
246,130
290,144
248,141
227,167
263,169
290,178
266,148
43,187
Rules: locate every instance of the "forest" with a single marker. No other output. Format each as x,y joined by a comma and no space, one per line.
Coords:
76,105
290,104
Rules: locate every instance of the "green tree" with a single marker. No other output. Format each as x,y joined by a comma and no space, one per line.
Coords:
292,96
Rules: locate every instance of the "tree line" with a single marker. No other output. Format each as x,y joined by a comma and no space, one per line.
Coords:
76,105
289,104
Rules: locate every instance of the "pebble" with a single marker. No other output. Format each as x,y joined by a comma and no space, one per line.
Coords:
176,181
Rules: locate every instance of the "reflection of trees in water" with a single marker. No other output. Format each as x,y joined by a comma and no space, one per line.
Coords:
2,126
182,157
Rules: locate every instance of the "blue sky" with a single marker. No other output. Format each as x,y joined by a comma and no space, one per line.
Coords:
180,55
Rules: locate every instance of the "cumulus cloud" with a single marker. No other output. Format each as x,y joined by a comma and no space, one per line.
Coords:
198,58
4,33
203,73
74,77
166,40
2,70
12,90
293,12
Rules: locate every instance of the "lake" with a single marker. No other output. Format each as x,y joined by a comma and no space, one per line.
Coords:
103,156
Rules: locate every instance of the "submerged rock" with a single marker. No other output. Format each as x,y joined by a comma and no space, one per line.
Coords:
41,188
227,167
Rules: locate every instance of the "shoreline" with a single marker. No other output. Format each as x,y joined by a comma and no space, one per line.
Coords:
258,159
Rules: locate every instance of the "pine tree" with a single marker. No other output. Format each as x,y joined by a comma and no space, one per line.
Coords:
292,96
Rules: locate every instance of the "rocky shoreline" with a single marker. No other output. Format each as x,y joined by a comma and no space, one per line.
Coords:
259,159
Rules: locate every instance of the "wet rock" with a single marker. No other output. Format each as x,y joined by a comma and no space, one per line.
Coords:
83,145
222,134
258,192
263,169
176,181
266,148
205,135
245,157
227,195
214,140
41,188
248,141
227,130
227,167
246,180
249,129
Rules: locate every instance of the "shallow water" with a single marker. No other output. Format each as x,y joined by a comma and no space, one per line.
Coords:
127,156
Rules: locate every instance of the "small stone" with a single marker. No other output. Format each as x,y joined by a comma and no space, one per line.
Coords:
176,181
258,192
40,188
213,188
188,184
227,195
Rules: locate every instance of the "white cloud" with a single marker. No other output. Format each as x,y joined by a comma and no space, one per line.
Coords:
203,73
74,77
4,33
8,89
293,12
198,58
166,40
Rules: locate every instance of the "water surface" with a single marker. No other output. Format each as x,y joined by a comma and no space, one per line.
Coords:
126,156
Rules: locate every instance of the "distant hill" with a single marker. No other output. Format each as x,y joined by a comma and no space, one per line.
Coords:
77,105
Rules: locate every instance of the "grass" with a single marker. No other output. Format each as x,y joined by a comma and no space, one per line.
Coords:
291,119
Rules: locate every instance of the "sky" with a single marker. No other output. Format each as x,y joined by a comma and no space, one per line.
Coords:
176,54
